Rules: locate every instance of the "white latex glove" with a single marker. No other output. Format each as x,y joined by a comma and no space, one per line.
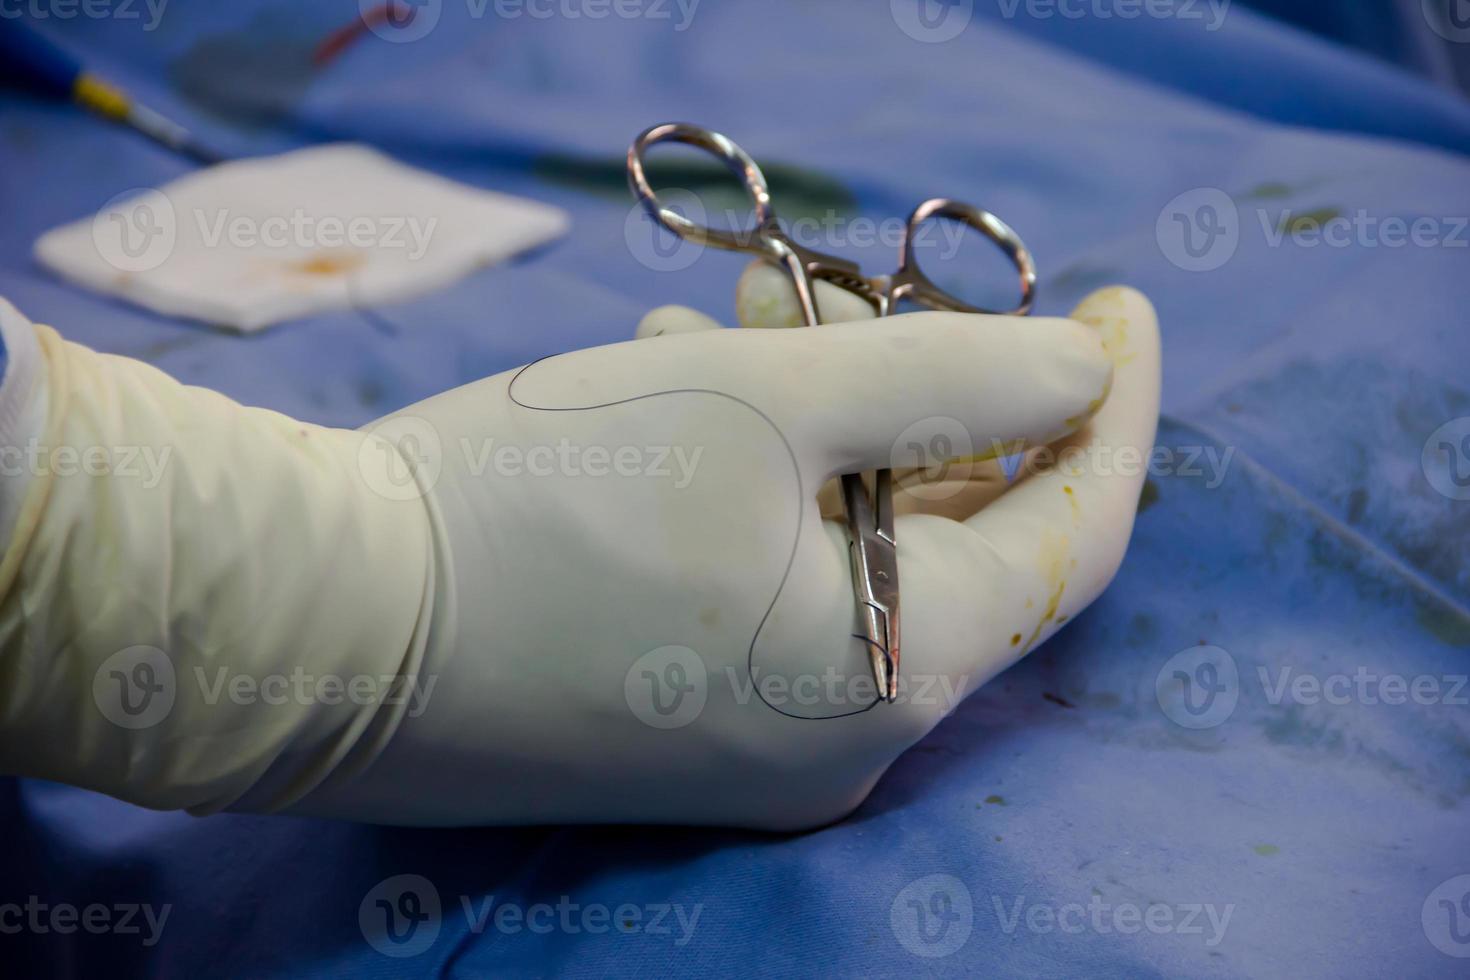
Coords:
590,639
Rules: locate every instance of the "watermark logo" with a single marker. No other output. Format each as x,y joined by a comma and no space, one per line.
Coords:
400,21
400,917
667,688
1450,19
1446,459
932,21
932,916
1198,687
1446,917
136,231
402,457
939,449
655,247
1199,230
135,688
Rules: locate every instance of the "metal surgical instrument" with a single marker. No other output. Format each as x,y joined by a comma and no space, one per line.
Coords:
870,521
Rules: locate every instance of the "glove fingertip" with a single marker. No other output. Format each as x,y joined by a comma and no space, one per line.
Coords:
765,298
665,320
1124,319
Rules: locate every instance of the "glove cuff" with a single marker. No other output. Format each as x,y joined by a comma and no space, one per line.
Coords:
203,605
22,414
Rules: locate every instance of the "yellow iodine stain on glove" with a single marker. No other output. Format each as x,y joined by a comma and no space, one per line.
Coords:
1053,558
1072,501
1103,311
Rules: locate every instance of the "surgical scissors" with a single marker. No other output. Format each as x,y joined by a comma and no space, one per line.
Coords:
873,546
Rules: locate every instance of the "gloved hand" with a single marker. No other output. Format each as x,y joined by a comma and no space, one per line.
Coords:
605,574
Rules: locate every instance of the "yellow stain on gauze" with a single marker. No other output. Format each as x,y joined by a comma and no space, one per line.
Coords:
329,264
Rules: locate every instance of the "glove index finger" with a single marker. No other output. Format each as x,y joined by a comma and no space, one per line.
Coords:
765,297
920,389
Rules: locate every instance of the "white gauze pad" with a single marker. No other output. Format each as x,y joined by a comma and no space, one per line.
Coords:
252,242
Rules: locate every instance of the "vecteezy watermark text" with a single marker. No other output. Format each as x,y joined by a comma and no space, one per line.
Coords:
1097,458
138,231
933,917
943,456
669,687
1211,13
143,463
86,9
407,456
1122,918
679,12
1199,687
1201,229
137,688
301,686
304,231
937,21
1362,686
565,458
833,688
402,916
403,21
97,918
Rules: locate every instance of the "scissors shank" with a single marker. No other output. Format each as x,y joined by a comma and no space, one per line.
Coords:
874,557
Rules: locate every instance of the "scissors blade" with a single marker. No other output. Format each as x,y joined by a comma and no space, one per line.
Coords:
874,556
